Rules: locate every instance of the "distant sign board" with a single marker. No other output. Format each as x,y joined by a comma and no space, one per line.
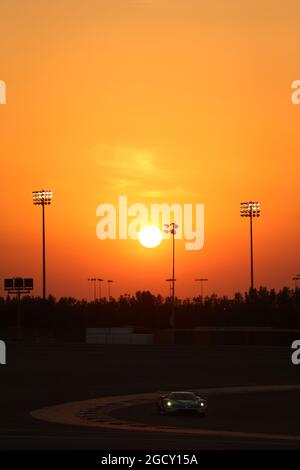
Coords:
18,285
28,283
8,284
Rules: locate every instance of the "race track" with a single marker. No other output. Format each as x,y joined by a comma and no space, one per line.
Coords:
42,376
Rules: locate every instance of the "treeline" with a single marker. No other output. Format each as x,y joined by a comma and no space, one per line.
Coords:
145,311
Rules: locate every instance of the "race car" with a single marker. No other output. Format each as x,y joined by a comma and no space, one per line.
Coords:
175,402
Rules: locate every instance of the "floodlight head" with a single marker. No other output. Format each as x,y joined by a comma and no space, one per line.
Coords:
42,197
171,228
250,209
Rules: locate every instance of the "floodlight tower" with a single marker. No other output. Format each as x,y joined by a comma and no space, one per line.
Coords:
171,229
201,280
250,209
109,281
43,198
93,280
99,284
296,278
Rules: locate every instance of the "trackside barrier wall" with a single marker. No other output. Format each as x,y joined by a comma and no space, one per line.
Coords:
258,337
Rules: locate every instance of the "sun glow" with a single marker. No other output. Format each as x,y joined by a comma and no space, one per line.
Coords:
150,236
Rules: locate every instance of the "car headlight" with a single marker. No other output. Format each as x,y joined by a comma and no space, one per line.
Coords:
202,404
169,403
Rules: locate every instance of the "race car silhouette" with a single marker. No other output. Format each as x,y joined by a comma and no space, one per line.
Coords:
175,402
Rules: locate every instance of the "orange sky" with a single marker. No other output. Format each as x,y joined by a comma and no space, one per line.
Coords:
163,101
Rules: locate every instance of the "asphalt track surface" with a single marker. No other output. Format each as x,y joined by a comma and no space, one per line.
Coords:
247,412
38,376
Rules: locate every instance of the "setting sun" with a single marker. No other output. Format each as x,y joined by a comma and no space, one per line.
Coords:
150,236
